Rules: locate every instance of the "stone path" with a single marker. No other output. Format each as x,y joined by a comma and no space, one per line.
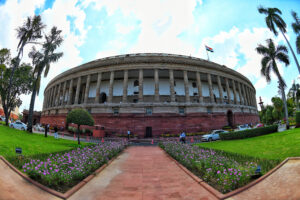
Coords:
13,186
142,173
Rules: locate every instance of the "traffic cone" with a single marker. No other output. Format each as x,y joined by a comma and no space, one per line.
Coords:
102,140
152,141
192,140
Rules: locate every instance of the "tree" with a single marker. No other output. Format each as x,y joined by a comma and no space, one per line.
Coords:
278,107
294,93
41,61
296,28
271,53
28,33
80,117
273,18
22,84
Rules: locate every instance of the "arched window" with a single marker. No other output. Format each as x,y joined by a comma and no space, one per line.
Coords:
102,97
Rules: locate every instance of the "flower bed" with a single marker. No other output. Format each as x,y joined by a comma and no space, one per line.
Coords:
61,171
225,173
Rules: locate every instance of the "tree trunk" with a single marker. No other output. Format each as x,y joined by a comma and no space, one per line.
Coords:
291,51
78,134
31,107
286,116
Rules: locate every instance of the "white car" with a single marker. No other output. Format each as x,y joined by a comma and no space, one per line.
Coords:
39,127
243,127
18,125
214,135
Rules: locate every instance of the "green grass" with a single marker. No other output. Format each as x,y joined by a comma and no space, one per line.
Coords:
273,146
31,144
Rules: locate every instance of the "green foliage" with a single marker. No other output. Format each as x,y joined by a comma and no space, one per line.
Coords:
298,118
80,117
248,133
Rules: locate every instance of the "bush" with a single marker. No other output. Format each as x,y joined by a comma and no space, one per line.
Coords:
248,133
298,119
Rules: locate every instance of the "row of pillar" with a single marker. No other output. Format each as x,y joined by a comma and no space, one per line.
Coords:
53,98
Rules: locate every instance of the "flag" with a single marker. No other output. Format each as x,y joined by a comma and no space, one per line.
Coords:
209,49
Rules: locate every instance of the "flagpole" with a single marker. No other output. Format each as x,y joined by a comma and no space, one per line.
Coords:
207,55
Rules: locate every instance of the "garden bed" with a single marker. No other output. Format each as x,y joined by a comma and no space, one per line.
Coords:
61,171
223,171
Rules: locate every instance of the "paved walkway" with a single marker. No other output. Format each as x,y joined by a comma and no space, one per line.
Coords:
13,186
142,173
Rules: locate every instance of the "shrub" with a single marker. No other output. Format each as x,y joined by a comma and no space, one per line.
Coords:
298,119
248,133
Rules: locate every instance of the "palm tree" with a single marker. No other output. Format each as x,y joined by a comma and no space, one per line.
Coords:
296,28
29,32
271,53
41,62
273,18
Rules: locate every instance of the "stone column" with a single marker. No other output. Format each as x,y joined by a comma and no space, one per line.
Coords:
87,89
251,96
53,96
211,94
45,99
111,87
50,97
70,92
125,86
141,80
220,89
254,96
240,93
64,93
58,95
156,85
186,86
245,95
199,85
172,90
77,90
234,92
98,87
228,90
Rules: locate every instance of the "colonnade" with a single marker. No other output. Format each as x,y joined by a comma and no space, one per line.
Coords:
61,94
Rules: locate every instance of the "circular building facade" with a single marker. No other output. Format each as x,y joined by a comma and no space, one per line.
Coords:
151,94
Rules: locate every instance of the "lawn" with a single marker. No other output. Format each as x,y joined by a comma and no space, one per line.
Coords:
278,145
31,144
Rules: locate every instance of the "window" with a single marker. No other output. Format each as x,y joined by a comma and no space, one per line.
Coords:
136,92
148,111
181,110
209,110
195,93
115,111
135,100
136,83
194,84
224,89
174,83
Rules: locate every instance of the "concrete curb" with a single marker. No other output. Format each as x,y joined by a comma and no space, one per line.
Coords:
221,196
71,191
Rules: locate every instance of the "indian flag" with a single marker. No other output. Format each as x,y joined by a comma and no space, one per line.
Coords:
209,49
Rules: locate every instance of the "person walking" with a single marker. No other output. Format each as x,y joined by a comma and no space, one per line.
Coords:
46,129
55,132
182,137
128,134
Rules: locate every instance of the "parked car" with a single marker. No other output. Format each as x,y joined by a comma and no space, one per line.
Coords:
2,118
259,125
18,125
243,127
39,127
214,135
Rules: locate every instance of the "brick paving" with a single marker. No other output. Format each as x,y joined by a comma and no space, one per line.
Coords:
142,173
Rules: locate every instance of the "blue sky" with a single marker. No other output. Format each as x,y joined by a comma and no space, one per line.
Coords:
98,28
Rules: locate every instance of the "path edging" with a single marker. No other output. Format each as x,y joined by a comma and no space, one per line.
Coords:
68,193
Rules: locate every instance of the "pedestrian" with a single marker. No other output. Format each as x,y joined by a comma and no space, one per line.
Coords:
55,132
182,137
46,129
128,134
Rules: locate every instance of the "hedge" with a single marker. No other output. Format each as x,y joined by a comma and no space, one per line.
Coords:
298,118
249,133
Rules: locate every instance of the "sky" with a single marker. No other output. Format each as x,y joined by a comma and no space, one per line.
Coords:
94,29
